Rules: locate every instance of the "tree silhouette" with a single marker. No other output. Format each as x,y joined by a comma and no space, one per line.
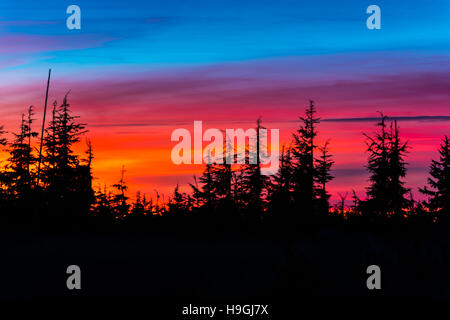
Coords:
180,202
303,156
3,175
67,182
205,195
439,181
340,206
60,160
355,203
387,168
280,188
21,160
254,183
310,174
119,205
397,166
83,179
378,166
222,175
102,206
322,177
222,186
141,212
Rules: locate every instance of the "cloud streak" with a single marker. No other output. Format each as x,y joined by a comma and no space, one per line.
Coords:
398,118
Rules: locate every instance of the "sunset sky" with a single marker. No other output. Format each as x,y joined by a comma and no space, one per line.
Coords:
137,70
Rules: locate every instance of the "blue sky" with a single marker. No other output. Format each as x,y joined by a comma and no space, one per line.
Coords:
199,32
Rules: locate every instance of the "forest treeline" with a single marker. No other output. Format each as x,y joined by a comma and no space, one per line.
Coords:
50,187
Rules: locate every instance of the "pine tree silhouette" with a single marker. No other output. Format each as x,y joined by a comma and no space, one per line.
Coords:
303,155
205,195
355,209
21,160
102,207
83,180
179,203
438,189
222,184
4,179
254,183
120,207
62,133
66,180
340,206
308,182
280,189
322,177
386,194
141,212
397,165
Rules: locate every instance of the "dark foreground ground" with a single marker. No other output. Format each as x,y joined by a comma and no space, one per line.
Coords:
173,271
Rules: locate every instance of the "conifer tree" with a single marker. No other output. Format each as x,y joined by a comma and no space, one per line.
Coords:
102,207
323,176
50,158
438,189
119,201
397,171
22,159
83,180
65,178
222,175
280,188
61,163
239,194
387,167
179,203
355,203
254,182
378,166
205,195
3,175
303,159
141,211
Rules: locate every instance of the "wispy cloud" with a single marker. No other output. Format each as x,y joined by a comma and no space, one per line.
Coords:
27,23
398,118
20,44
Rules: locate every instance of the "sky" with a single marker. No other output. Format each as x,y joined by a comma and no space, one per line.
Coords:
138,70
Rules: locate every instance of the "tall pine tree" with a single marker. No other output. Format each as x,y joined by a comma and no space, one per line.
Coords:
438,189
22,159
322,176
387,167
304,192
280,188
66,179
254,182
